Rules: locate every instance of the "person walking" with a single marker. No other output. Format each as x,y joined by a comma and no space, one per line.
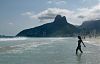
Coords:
79,45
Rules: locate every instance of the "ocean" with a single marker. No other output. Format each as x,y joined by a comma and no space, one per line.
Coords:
23,50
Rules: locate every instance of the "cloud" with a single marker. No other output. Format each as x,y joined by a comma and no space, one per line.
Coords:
84,0
57,1
89,13
74,17
50,13
27,13
10,23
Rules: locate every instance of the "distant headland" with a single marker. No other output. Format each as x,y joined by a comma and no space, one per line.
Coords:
61,28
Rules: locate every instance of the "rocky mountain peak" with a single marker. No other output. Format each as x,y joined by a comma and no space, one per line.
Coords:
60,19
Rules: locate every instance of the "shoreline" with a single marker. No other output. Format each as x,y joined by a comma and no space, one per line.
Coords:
97,39
93,41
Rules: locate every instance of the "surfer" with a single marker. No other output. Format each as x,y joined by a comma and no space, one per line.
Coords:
79,45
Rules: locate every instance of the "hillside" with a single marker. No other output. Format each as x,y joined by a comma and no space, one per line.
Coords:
59,28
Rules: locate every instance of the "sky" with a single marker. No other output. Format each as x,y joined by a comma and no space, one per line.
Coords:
17,15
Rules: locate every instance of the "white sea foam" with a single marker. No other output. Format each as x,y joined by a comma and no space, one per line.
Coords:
20,48
13,39
32,43
23,47
87,41
88,52
93,42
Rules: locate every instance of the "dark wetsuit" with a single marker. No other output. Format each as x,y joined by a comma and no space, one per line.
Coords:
79,46
79,43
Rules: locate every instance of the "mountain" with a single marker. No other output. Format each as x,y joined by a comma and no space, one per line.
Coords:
59,28
91,27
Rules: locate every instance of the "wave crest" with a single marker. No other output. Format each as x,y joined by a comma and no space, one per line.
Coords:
13,39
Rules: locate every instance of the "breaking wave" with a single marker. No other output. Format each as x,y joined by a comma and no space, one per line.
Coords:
13,39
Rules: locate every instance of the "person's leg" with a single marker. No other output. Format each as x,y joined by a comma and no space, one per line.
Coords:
80,50
76,50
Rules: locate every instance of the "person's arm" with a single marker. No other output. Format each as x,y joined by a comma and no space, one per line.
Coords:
83,44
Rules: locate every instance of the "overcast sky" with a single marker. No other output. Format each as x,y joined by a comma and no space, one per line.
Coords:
16,15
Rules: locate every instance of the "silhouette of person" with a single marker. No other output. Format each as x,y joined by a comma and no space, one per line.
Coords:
79,45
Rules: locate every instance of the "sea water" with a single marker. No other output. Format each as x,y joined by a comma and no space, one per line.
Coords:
24,50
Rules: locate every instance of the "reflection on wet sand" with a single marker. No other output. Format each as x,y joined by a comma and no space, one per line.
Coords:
79,58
